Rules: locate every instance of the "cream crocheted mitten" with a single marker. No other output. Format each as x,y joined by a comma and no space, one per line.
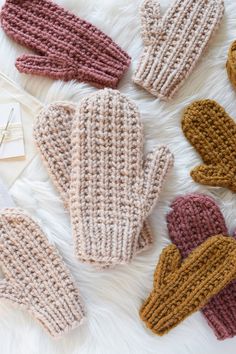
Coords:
113,187
174,43
52,133
36,277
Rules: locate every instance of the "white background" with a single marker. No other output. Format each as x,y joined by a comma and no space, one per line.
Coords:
113,297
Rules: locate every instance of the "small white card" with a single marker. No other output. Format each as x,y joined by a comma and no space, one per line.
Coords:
11,131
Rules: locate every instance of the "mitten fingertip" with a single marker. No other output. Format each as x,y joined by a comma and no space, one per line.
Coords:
150,17
149,9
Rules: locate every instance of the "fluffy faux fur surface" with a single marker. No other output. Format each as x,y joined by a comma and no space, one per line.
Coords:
113,297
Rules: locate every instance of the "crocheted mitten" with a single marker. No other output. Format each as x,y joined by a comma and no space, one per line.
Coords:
52,133
67,47
193,219
35,276
213,134
181,289
174,43
113,189
231,64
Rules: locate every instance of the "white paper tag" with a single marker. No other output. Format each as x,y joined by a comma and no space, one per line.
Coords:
11,131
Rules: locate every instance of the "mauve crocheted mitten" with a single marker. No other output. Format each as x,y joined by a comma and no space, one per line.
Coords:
113,188
174,43
212,133
52,134
36,277
67,47
181,289
193,219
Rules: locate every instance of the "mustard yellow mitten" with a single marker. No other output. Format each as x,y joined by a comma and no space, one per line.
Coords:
181,289
212,133
231,64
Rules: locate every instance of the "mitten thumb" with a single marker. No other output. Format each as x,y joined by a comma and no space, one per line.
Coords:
214,175
169,262
150,20
156,167
45,66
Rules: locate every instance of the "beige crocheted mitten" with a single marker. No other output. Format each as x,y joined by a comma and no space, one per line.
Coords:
36,277
113,188
174,43
52,134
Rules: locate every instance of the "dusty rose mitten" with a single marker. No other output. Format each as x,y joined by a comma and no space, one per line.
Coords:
193,219
113,187
36,277
174,43
66,46
52,134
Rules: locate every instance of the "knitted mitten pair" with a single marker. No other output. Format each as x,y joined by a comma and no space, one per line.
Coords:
197,228
213,134
94,154
67,47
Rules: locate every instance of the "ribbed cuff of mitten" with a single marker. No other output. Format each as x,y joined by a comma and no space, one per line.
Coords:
220,313
146,75
61,316
148,313
107,258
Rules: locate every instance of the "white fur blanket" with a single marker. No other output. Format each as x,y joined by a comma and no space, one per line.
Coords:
113,297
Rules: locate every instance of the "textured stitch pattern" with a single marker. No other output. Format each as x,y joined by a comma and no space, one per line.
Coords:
173,44
193,219
231,64
66,46
113,188
52,134
36,277
181,289
213,134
